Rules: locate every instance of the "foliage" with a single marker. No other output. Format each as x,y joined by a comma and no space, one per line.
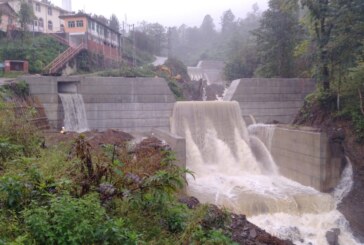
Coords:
114,23
277,37
69,220
126,71
177,68
17,131
212,237
19,89
13,192
338,33
8,150
26,15
38,50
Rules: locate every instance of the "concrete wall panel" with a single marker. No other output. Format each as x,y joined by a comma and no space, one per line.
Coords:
129,104
304,155
268,100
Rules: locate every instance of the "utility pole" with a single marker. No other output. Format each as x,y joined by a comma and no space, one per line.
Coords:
169,40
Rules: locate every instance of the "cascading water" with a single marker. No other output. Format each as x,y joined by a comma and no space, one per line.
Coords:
264,131
75,119
235,170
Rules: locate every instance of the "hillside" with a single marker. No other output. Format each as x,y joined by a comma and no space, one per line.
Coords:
39,50
345,130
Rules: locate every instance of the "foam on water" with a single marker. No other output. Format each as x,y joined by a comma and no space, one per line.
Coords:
235,170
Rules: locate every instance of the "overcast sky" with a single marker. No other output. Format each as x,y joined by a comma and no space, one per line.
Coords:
165,12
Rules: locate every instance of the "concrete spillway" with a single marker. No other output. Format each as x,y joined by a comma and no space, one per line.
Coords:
74,113
128,104
230,173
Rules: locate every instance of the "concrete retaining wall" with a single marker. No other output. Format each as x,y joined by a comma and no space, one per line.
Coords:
307,157
128,104
270,99
178,145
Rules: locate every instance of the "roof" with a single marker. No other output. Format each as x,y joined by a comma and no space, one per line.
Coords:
49,4
5,8
89,17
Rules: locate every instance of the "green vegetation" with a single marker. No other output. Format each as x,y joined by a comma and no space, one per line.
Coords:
38,50
173,71
73,193
336,48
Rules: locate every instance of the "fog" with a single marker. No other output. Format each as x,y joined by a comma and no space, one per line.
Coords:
166,12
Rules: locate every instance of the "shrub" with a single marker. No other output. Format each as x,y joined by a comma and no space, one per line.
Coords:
69,220
13,192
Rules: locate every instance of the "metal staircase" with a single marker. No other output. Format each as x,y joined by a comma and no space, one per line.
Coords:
59,39
62,59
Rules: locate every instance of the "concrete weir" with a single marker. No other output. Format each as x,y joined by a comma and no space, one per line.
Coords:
128,104
305,155
146,104
270,99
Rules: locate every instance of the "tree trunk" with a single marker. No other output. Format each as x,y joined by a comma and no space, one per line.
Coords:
361,101
325,74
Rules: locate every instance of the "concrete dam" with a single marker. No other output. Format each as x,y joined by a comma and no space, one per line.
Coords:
270,173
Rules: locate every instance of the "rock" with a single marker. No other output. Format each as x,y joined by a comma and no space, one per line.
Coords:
332,236
107,191
337,135
239,221
191,202
152,143
253,233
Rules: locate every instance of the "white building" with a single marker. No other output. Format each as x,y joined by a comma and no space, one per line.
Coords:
47,15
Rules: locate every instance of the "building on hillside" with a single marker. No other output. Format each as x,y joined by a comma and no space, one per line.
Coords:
97,37
47,15
8,17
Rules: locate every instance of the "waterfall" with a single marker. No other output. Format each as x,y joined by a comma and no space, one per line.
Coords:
234,169
265,132
75,119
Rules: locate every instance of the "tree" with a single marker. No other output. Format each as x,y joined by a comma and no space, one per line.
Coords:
26,15
114,23
277,38
322,13
101,18
207,27
338,29
227,22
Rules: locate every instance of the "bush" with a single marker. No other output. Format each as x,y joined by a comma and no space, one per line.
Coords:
69,220
13,192
358,121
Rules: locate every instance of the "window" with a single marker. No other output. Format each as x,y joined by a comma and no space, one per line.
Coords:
79,23
37,7
35,23
71,24
49,11
41,22
50,25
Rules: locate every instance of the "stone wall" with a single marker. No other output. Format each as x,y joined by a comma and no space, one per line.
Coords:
128,104
270,99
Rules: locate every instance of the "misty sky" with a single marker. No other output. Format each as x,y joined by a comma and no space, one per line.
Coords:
166,12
